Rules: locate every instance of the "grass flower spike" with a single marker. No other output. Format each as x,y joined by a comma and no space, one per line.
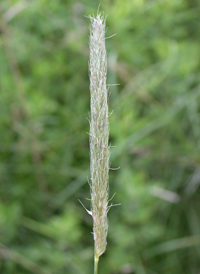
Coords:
99,134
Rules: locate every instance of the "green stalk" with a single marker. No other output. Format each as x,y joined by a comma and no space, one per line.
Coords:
96,261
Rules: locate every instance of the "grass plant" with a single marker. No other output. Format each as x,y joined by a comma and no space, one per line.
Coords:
99,134
44,155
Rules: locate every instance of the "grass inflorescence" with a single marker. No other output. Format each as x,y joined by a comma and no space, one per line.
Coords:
99,134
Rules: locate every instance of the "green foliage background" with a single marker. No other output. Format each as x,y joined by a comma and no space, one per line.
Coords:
155,131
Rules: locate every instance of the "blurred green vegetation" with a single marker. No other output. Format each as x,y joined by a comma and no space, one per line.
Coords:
154,131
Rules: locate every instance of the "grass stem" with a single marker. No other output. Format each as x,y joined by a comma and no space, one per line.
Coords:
96,261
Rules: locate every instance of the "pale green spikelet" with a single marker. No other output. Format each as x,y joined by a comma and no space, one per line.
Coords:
99,133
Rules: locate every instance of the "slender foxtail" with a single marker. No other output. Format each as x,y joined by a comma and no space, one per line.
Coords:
99,134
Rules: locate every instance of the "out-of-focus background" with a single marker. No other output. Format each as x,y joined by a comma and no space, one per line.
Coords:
154,131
